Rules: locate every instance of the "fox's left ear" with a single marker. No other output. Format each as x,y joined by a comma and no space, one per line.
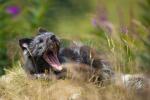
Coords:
24,43
41,30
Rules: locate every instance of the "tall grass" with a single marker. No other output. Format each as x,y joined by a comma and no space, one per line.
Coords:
15,85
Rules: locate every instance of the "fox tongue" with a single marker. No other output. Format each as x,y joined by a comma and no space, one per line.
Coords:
52,59
55,62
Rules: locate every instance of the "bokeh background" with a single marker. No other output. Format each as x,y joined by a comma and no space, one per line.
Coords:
118,28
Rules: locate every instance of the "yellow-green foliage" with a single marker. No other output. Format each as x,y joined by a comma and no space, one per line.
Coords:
128,50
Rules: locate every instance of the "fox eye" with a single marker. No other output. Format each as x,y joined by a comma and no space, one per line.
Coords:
39,47
40,40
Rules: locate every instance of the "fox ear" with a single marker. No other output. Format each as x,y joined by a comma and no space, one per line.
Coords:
24,43
41,30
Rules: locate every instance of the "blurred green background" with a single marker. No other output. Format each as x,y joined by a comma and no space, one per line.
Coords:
119,28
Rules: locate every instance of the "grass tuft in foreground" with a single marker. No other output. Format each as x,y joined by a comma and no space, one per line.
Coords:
16,86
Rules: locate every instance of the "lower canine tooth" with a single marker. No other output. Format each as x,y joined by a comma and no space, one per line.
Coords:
60,68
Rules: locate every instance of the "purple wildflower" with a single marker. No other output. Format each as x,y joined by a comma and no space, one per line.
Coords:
94,22
124,29
102,14
13,10
101,21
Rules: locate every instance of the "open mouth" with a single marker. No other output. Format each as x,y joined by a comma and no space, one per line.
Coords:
52,59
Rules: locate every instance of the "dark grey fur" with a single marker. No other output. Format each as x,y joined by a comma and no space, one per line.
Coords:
34,48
